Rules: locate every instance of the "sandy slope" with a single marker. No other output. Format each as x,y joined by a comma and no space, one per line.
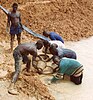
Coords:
72,19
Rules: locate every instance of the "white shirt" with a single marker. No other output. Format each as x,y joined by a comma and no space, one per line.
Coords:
59,43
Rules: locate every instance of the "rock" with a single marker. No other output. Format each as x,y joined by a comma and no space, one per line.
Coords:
41,64
48,70
1,59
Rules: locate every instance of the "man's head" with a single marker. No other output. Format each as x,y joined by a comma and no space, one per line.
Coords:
56,59
53,49
54,45
15,6
46,43
39,44
46,34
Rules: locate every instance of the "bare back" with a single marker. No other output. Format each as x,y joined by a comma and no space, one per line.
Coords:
27,48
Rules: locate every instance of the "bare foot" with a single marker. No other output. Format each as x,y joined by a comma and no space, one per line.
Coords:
12,89
49,83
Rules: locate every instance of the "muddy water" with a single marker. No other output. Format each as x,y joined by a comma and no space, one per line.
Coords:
66,90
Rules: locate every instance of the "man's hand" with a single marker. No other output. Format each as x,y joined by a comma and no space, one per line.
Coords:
21,26
34,63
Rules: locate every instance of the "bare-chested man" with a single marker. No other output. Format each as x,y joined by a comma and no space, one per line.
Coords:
14,22
20,54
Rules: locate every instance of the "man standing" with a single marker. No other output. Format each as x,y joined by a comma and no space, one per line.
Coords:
14,22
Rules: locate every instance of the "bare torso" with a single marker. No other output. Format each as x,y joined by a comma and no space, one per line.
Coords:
14,18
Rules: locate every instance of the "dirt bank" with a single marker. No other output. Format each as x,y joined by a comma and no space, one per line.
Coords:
72,19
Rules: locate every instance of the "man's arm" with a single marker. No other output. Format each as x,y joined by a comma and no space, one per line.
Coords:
49,59
60,38
8,23
46,45
46,52
20,20
34,63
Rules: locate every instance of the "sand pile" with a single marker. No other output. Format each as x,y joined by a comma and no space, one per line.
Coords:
72,19
32,86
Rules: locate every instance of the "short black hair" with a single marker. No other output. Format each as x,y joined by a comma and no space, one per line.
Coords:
15,4
53,50
39,42
54,45
56,58
46,43
45,33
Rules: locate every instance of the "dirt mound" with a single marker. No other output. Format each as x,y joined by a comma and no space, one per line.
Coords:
72,19
32,86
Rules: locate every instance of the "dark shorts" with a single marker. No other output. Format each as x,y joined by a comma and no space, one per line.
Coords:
15,29
69,54
77,80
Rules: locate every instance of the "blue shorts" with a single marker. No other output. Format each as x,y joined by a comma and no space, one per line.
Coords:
15,29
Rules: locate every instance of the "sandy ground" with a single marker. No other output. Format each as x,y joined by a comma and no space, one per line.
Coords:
65,90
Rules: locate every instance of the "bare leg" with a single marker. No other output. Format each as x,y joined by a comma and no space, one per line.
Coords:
27,61
12,89
17,70
19,38
12,41
28,65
